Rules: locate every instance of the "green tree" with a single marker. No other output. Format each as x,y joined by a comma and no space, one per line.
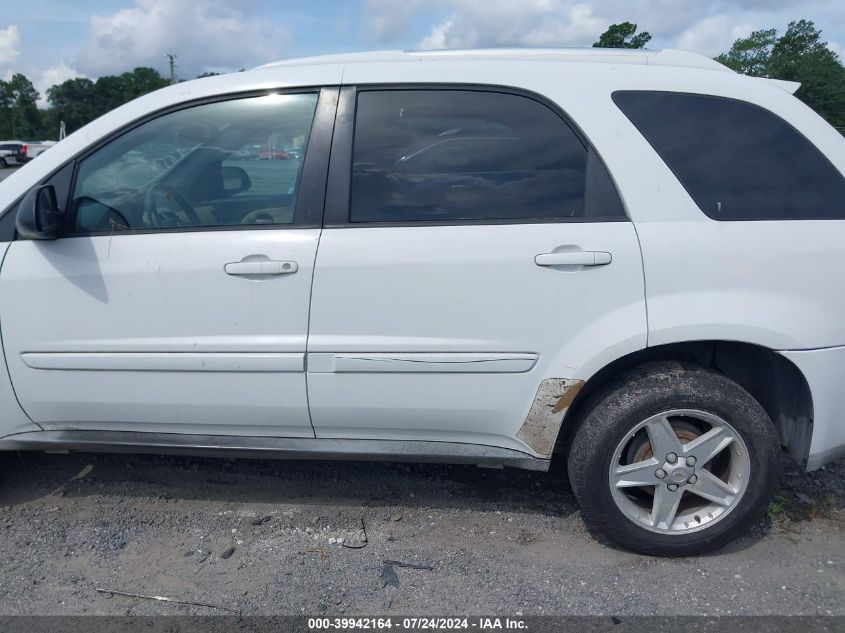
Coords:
73,102
5,109
21,118
79,101
798,55
623,35
141,81
109,92
750,55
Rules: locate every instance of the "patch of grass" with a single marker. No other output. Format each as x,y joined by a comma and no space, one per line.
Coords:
776,507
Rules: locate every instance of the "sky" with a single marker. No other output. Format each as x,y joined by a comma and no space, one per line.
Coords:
54,40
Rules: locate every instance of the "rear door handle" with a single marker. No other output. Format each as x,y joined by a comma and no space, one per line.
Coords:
576,258
263,268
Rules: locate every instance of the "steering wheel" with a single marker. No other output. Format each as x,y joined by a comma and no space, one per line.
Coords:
157,218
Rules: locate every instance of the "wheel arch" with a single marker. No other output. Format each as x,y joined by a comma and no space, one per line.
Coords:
772,379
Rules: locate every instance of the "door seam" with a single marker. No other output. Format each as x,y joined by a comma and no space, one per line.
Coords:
645,283
314,266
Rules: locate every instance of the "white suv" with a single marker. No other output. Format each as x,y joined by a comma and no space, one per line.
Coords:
12,153
631,260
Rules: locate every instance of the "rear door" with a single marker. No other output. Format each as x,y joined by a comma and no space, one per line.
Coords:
178,299
474,247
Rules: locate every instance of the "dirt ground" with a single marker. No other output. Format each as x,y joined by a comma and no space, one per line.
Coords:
487,541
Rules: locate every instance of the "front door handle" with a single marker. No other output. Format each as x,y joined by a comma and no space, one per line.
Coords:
574,258
261,268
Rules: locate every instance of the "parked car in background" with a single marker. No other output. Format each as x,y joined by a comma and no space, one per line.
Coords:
36,148
248,152
629,264
273,154
12,153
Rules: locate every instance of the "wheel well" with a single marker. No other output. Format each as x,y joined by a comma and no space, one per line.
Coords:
776,383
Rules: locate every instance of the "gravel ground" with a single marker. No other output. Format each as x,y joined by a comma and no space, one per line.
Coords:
495,541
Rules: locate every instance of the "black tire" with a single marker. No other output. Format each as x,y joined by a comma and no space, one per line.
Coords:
613,413
2,163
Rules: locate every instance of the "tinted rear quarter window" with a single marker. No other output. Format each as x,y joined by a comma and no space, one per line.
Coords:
464,155
737,160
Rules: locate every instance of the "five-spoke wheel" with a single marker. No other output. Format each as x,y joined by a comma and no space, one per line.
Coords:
673,460
679,471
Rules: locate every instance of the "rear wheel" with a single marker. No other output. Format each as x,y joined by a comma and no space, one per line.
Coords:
2,163
674,461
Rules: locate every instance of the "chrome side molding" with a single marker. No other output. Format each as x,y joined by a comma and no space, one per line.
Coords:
271,447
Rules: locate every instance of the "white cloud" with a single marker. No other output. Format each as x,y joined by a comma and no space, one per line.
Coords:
389,19
202,33
43,80
579,26
10,45
53,76
528,23
712,35
439,36
707,26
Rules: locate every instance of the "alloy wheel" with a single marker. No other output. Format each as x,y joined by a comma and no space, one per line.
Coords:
679,471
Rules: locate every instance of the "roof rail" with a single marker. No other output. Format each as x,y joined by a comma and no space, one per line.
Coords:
665,57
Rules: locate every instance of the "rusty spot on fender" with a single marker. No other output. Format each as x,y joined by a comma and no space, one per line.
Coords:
543,421
567,398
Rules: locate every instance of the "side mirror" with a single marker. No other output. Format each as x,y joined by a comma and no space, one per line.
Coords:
235,180
39,217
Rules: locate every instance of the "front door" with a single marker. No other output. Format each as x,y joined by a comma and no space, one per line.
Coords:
178,299
478,248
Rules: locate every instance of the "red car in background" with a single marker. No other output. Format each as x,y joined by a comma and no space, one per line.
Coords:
273,154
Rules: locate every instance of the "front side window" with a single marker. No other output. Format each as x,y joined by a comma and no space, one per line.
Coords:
737,160
463,155
227,163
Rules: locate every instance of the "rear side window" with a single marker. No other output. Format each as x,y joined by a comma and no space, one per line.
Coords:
463,155
737,160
